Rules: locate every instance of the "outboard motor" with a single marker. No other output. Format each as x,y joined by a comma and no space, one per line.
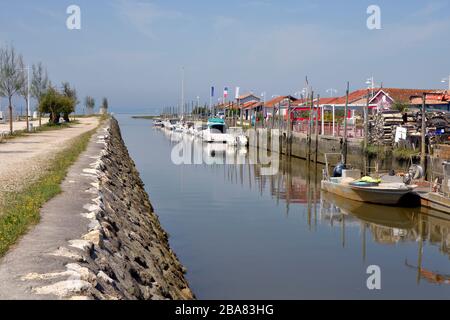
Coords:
414,172
337,172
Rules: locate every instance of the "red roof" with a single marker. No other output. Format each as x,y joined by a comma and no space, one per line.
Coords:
330,100
250,105
404,95
353,96
437,97
397,94
279,100
244,96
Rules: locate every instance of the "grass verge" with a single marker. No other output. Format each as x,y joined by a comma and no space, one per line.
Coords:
21,209
145,117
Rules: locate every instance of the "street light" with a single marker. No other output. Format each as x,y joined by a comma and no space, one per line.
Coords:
371,84
446,80
263,95
331,91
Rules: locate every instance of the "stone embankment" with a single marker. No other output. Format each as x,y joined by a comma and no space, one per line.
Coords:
128,251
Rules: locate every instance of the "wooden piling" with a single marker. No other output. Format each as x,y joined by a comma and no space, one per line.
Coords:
289,130
317,130
344,151
424,130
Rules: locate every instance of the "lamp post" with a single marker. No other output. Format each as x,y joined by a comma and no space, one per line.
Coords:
331,91
446,80
198,105
371,84
263,109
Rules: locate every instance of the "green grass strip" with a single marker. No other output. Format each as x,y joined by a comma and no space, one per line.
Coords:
20,210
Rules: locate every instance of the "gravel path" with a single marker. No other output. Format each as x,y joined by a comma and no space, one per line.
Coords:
19,125
24,158
39,259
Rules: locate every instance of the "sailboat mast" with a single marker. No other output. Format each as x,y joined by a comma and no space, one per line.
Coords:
182,92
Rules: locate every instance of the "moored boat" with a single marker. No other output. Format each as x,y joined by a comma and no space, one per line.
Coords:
158,123
385,191
390,193
437,196
238,138
216,131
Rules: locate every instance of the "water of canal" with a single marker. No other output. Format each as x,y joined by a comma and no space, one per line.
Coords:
242,235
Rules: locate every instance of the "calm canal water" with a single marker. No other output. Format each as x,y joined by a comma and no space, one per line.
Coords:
246,236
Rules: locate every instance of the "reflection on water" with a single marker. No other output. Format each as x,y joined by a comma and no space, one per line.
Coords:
246,235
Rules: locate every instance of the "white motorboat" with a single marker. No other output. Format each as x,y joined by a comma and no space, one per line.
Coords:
169,124
198,129
238,137
216,131
158,123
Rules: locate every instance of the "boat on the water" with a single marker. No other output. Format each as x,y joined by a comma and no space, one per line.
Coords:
390,193
385,191
437,196
169,124
238,137
216,131
158,123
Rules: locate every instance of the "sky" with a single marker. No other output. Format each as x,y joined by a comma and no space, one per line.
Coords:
133,51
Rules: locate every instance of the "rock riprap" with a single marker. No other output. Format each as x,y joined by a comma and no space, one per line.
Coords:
130,252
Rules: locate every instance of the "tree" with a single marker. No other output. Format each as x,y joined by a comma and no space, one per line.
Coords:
25,91
400,106
11,77
39,84
105,104
89,103
55,103
71,93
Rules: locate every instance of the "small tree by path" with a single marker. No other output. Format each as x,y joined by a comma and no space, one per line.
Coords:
25,92
11,77
89,103
39,85
71,93
104,107
55,103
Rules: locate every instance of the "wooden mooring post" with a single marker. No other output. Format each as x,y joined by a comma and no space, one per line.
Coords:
317,130
289,131
424,131
344,151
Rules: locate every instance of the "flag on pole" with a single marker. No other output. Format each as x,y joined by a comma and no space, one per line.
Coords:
237,92
212,91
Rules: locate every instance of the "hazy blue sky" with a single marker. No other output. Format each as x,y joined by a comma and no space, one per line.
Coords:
132,51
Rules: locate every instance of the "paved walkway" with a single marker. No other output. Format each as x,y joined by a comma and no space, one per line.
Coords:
24,158
29,270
